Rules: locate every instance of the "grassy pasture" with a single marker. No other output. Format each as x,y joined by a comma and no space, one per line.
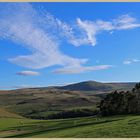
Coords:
89,127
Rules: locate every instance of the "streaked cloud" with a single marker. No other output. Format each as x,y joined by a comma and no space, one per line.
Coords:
92,28
80,69
130,61
27,31
28,73
127,62
125,22
136,60
19,87
42,34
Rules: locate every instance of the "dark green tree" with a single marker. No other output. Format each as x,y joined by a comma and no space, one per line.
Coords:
117,103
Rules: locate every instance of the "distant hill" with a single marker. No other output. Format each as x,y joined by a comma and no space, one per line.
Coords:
97,86
40,102
44,101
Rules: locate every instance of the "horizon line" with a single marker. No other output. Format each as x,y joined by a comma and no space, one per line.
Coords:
7,88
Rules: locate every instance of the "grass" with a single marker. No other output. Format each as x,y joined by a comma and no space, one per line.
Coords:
5,113
87,127
35,103
43,102
18,105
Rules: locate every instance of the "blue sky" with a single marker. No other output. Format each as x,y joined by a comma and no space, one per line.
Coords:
43,44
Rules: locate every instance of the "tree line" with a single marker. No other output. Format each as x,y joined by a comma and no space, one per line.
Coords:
114,103
123,102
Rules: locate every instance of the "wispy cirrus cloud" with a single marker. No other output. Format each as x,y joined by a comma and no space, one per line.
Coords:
22,86
127,62
125,22
26,30
92,28
28,73
130,61
81,69
40,32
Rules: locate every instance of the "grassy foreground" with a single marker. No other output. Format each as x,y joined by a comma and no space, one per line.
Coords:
117,126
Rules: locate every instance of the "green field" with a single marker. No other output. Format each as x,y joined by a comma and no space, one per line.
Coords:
39,103
89,127
24,113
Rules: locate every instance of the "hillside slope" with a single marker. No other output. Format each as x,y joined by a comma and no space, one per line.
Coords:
6,114
42,102
39,103
97,86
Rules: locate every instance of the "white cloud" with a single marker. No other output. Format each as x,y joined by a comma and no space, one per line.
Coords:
81,69
127,62
136,60
84,32
28,73
19,87
22,27
92,28
126,22
42,34
73,34
130,61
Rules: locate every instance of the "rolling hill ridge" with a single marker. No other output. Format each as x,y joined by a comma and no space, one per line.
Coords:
97,86
45,101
